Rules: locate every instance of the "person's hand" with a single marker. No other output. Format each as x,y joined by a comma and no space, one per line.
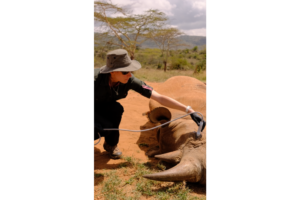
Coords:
198,119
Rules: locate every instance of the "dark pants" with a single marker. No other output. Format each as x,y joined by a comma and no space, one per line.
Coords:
107,115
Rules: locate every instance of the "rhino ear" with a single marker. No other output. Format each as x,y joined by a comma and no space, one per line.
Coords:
158,114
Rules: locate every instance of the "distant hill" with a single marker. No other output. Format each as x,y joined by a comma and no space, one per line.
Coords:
191,41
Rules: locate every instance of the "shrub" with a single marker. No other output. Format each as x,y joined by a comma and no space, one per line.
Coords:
195,49
201,66
203,51
159,66
179,63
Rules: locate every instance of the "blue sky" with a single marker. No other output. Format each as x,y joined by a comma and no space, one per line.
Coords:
187,15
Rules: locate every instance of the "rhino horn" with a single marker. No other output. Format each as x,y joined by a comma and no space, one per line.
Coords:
187,170
171,157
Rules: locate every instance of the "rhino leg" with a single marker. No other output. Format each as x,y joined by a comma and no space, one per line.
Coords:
171,157
153,152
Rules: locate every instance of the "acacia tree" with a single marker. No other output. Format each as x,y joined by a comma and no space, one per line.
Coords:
103,41
166,39
126,30
101,44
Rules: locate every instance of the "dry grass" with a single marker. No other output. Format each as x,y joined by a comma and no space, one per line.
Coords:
126,183
155,75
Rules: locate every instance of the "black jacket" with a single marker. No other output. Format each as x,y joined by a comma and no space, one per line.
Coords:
104,93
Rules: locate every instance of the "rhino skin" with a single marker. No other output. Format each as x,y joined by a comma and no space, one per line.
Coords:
177,140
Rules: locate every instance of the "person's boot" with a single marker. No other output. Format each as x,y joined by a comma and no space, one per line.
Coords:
113,151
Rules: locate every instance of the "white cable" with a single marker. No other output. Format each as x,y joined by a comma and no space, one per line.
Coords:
99,139
116,129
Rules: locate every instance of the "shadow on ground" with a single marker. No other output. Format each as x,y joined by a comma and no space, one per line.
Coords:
101,160
197,188
148,139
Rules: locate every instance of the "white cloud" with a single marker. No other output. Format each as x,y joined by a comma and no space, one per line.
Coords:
140,6
201,5
196,32
187,15
198,4
97,29
198,15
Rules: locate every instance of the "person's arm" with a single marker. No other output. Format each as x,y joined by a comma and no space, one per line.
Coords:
169,102
172,103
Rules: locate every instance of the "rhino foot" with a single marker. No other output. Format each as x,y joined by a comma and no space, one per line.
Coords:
153,152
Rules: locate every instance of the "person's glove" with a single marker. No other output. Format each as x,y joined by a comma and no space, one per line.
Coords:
198,119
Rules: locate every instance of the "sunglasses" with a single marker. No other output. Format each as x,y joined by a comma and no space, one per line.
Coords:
125,73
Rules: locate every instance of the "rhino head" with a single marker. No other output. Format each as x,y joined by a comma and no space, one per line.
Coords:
179,145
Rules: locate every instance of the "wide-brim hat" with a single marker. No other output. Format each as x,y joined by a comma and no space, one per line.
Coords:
119,60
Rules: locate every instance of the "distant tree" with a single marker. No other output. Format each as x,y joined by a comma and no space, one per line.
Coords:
202,65
166,39
125,30
195,49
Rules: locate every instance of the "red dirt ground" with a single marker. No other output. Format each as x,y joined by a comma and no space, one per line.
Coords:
134,106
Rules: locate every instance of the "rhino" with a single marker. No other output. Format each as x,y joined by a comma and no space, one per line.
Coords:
178,143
